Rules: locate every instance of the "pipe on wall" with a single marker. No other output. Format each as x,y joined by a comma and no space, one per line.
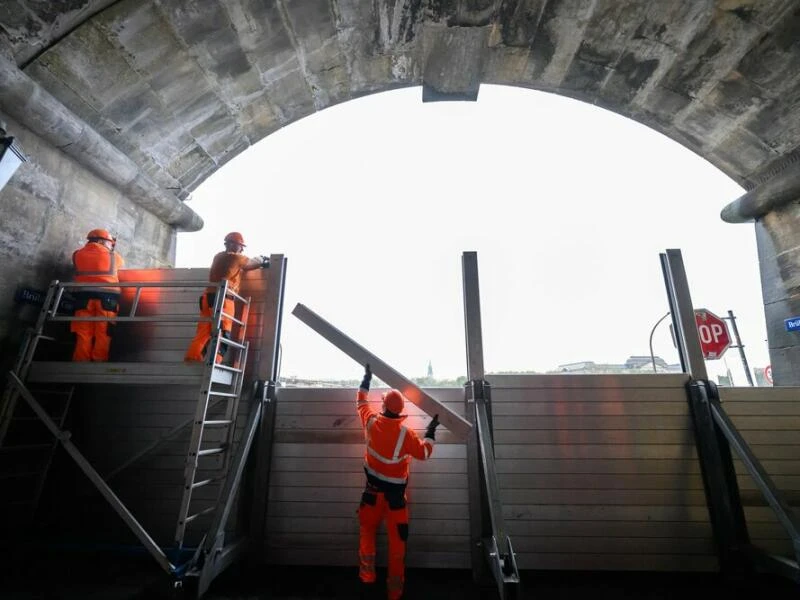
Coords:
38,110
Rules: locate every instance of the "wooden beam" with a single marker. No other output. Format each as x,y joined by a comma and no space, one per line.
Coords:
451,420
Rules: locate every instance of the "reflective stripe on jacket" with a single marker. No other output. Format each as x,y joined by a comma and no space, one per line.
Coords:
390,445
96,263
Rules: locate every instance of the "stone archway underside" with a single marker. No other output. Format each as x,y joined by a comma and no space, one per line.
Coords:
183,86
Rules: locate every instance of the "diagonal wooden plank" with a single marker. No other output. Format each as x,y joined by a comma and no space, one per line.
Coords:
453,421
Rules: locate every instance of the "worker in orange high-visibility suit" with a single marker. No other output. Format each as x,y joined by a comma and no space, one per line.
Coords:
228,265
390,448
97,262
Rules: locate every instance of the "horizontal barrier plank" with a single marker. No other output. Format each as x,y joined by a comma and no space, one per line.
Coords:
345,436
762,409
356,465
414,559
604,395
322,525
598,481
356,450
595,436
763,395
612,545
322,479
536,408
576,512
650,422
299,494
641,466
595,451
347,509
602,529
618,562
669,381
677,497
349,542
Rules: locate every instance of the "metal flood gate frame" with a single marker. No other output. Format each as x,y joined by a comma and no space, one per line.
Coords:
715,435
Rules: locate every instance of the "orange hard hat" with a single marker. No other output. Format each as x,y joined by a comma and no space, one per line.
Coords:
234,237
99,234
393,401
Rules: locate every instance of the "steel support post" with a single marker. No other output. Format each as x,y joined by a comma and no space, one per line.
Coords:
266,372
489,545
716,463
683,321
719,480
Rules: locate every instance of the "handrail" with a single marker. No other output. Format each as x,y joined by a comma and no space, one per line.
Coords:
60,287
764,482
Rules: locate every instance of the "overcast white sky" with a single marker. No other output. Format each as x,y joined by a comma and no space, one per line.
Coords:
568,206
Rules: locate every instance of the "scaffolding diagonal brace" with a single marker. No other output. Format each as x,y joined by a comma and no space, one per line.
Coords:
94,476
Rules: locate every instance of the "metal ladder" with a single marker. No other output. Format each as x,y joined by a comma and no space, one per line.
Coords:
223,383
23,437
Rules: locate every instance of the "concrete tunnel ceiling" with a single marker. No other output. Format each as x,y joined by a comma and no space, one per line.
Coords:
180,87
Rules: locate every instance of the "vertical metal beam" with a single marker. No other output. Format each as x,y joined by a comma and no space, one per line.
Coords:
266,369
479,519
683,320
719,479
267,375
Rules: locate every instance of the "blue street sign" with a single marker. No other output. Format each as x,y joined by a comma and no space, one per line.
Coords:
792,324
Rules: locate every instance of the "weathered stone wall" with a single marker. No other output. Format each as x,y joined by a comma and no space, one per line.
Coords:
46,210
778,238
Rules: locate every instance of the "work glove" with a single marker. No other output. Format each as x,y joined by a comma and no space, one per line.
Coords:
367,378
264,261
430,432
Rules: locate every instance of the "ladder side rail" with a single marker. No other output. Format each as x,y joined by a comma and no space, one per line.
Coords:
118,506
206,554
24,359
233,407
786,516
201,411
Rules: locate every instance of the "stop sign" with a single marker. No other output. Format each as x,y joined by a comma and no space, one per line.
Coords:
713,333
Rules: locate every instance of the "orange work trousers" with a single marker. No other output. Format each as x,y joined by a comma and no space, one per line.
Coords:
198,345
92,340
373,510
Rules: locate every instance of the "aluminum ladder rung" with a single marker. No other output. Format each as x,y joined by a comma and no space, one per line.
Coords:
204,482
227,368
222,394
233,343
218,423
211,451
205,511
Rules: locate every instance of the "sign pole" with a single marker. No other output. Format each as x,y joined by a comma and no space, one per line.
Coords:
740,346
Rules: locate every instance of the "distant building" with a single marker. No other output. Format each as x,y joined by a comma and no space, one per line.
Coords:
634,365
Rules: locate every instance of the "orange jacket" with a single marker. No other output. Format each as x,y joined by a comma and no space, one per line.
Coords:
95,262
390,444
227,265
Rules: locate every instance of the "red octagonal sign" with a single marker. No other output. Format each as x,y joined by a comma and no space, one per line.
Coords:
713,333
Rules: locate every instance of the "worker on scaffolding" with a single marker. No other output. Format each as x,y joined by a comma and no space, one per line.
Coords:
390,447
227,265
97,261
